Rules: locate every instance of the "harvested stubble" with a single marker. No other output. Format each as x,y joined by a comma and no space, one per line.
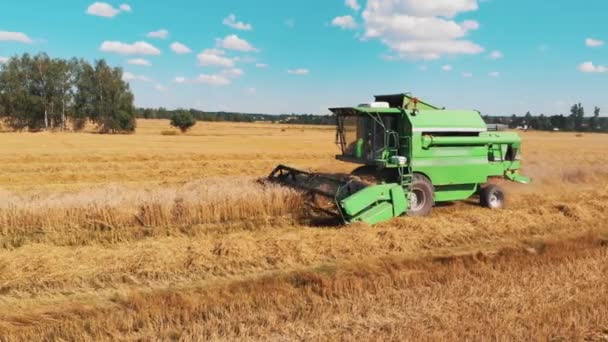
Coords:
59,162
549,292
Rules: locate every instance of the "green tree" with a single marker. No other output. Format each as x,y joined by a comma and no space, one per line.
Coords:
162,113
528,120
18,94
603,124
594,123
544,123
558,121
183,120
41,87
105,98
513,121
43,93
65,72
84,99
577,117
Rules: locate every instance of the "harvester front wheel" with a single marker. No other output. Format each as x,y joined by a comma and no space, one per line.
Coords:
421,196
492,196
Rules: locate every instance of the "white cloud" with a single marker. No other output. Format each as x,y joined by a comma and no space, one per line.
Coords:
261,65
496,54
470,25
160,87
494,74
160,34
467,74
421,29
213,79
589,67
217,79
15,37
233,42
431,49
590,42
3,59
344,22
103,9
233,72
298,71
446,67
442,8
214,57
245,59
251,90
137,48
180,48
139,61
238,25
129,76
352,4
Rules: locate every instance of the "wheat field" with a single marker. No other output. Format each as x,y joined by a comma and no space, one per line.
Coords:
169,237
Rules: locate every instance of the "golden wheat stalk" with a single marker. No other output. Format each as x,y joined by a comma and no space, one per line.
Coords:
113,207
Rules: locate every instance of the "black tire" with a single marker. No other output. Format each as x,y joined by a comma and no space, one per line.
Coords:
492,197
421,197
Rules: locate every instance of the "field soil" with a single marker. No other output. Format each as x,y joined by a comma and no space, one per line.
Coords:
171,237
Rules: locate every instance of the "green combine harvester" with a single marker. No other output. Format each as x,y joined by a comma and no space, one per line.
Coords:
412,156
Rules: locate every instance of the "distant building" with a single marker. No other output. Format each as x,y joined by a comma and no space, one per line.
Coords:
497,127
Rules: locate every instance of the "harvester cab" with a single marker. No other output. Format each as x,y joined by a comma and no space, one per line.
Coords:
412,155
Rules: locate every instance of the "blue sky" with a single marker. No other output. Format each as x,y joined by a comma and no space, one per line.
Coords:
497,56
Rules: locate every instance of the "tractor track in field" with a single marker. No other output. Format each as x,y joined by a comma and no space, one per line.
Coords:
420,298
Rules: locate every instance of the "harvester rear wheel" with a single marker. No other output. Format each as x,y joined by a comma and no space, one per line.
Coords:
421,196
492,196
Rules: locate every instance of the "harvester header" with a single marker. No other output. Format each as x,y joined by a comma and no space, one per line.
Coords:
412,155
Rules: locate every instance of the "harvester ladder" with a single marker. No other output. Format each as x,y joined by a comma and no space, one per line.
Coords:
406,173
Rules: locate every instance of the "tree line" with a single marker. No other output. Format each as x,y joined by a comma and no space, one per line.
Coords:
198,115
575,121
39,92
